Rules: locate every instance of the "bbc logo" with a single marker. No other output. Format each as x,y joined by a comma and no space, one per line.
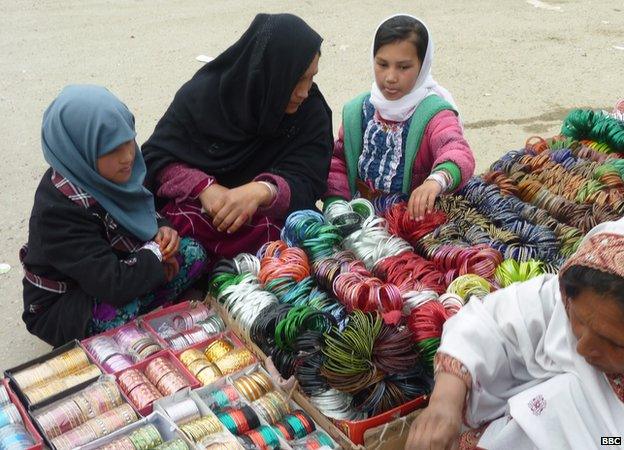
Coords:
611,440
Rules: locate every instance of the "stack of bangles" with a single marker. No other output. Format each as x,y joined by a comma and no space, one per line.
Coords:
264,438
254,385
239,420
314,441
69,413
272,407
96,428
15,437
107,352
144,438
183,411
201,368
294,426
136,342
219,399
199,429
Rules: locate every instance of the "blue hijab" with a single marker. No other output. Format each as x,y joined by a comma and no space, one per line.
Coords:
83,123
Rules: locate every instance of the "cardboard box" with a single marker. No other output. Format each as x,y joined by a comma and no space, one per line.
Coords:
348,434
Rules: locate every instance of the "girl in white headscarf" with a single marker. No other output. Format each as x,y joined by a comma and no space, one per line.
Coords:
404,135
538,365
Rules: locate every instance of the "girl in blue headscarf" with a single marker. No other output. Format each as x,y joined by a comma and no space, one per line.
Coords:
97,254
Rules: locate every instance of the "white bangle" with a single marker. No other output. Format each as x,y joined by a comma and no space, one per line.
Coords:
154,248
271,187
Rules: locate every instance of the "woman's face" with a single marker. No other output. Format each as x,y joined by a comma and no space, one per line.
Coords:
300,93
598,323
116,166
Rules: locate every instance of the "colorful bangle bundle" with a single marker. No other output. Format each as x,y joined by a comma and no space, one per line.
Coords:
69,413
263,438
96,428
107,352
295,426
199,429
144,438
15,437
201,368
219,399
239,420
314,441
183,411
252,386
165,376
56,375
272,407
136,342
57,367
138,388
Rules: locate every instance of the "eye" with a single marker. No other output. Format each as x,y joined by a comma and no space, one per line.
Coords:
405,67
382,64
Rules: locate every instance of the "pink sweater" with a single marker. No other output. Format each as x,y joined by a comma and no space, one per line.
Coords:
442,142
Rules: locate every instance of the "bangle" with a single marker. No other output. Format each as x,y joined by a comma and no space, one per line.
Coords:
154,248
271,187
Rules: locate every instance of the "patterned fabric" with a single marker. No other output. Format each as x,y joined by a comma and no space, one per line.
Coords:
81,198
187,217
617,384
469,440
192,259
447,364
602,251
71,191
381,163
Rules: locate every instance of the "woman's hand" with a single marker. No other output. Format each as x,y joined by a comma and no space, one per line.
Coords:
439,425
423,198
211,198
238,205
169,241
171,267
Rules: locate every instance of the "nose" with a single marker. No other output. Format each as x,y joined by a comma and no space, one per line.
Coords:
128,154
587,347
303,93
391,77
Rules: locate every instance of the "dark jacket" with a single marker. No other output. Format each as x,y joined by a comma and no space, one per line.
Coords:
67,242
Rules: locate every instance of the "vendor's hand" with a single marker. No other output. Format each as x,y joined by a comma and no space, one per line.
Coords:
439,425
285,385
436,428
423,198
171,267
211,198
239,205
169,241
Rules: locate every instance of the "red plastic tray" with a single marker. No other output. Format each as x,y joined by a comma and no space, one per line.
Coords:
112,332
25,417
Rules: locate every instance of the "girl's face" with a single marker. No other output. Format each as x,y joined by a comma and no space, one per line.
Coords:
302,88
396,69
598,323
116,166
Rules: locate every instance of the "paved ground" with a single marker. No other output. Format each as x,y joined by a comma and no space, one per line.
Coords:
515,70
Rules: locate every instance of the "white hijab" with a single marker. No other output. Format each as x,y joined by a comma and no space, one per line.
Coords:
402,109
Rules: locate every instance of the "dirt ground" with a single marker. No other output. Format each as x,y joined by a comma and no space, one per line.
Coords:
515,67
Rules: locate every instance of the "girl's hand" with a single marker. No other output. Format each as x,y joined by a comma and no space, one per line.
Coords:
423,198
171,267
239,205
169,242
211,198
439,425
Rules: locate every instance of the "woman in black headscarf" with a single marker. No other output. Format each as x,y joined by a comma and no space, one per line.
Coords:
246,141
